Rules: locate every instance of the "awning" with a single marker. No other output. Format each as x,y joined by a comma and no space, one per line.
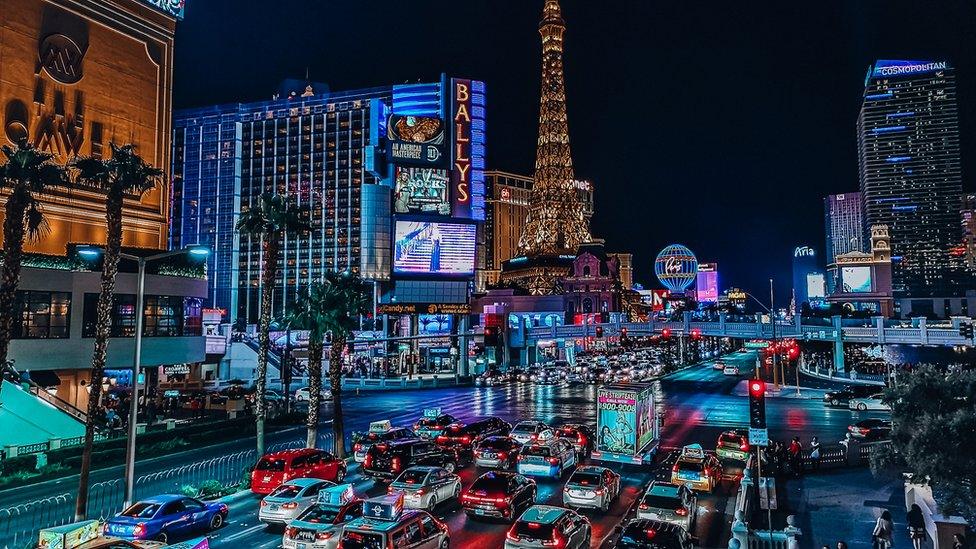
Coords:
45,378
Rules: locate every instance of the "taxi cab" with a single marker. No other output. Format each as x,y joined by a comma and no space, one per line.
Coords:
379,431
291,499
548,458
385,524
433,423
696,469
733,445
321,525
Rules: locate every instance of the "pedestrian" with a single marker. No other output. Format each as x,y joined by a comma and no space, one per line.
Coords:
958,541
841,545
916,526
815,453
881,537
796,451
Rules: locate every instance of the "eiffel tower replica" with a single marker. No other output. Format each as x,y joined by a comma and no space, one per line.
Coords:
555,227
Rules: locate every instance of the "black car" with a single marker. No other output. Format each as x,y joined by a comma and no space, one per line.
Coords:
499,494
650,534
462,438
387,460
580,436
871,429
842,396
497,452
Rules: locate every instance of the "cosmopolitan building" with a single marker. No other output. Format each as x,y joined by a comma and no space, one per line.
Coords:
910,173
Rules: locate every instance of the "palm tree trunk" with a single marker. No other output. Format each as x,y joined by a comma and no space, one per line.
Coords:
314,391
13,252
268,275
106,297
335,382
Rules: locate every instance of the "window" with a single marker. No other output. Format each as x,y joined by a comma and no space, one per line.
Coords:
163,316
43,315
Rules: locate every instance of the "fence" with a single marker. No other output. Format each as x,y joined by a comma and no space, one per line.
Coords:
19,524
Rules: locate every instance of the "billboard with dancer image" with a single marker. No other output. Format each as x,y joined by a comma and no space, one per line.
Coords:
431,247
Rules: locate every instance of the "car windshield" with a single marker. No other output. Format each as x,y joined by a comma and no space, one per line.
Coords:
696,466
660,502
268,464
320,514
541,451
533,530
141,510
566,432
731,439
412,477
495,444
524,428
287,491
489,483
430,422
585,479
362,540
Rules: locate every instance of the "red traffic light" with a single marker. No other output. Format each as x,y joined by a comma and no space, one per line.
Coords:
695,333
757,387
666,332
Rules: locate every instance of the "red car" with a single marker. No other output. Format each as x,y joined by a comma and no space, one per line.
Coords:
274,469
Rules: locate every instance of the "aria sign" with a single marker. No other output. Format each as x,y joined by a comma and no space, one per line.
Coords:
169,7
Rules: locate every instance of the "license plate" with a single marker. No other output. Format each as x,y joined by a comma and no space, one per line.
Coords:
272,508
300,546
688,476
479,511
267,479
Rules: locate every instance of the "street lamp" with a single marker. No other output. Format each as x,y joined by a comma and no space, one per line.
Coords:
772,320
89,252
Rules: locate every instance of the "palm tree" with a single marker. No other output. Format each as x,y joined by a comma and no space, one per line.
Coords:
269,220
124,174
346,298
27,173
310,312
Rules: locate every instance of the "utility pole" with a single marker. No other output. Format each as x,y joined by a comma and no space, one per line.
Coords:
772,322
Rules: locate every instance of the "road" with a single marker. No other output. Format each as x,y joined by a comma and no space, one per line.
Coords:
700,402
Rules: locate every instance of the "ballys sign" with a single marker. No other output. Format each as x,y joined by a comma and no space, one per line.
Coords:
468,151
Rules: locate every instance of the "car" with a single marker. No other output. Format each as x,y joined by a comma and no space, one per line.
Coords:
650,534
103,542
497,452
424,487
580,436
291,499
718,365
321,525
548,458
386,524
462,437
696,469
668,502
593,487
499,494
842,396
379,431
872,402
549,526
530,431
730,371
387,460
166,517
870,429
278,467
303,394
433,423
733,445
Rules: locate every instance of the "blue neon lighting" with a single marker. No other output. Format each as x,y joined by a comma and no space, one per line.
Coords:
904,208
889,129
901,114
897,158
873,96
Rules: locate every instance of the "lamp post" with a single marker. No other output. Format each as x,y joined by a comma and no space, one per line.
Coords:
772,321
91,253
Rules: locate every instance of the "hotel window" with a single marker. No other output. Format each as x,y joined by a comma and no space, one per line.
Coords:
43,315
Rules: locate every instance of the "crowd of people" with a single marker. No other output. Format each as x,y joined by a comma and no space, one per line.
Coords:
883,534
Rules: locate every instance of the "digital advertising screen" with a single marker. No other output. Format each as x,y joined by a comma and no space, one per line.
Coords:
856,280
435,324
707,286
421,190
816,287
432,247
417,140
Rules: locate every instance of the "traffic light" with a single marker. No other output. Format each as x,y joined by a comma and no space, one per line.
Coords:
623,332
599,331
757,403
966,330
666,333
491,336
695,333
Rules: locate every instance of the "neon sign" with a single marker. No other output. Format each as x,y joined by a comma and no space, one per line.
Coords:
897,68
468,154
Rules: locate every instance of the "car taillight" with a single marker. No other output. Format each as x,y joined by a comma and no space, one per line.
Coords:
368,462
681,512
441,439
535,436
264,503
554,461
322,536
864,430
139,530
502,455
744,447
465,439
642,506
580,439
556,541
675,468
599,490
357,447
291,531
511,535
396,464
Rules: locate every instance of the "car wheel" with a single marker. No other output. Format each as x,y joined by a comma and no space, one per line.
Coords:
862,406
432,502
457,491
216,522
445,543
834,402
587,539
162,537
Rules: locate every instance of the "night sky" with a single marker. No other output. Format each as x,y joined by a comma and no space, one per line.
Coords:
720,125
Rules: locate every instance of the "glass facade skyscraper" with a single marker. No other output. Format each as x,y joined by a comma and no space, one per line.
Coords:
844,224
910,173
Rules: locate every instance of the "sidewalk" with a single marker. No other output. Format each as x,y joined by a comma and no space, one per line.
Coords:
785,391
843,505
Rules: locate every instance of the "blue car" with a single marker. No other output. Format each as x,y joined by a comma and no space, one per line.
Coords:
165,518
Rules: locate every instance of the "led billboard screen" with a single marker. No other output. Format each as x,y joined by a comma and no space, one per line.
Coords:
857,280
417,140
816,286
428,247
435,324
707,287
421,190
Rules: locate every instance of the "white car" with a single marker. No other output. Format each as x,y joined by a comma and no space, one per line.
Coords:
303,394
731,371
291,499
425,487
593,487
526,432
872,402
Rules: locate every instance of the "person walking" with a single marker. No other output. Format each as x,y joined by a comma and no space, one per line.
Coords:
883,529
958,541
916,526
815,453
796,451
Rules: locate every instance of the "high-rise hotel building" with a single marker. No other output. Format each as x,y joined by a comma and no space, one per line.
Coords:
910,173
844,224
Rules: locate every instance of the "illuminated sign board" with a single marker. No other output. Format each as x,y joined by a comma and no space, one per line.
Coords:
433,248
804,251
706,286
856,280
898,68
421,190
169,7
416,140
816,286
468,152
658,299
423,308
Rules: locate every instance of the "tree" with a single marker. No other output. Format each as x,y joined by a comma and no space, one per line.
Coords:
933,426
268,220
311,311
25,175
123,175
